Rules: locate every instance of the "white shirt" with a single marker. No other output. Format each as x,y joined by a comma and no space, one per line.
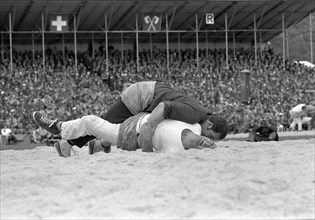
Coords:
298,108
167,135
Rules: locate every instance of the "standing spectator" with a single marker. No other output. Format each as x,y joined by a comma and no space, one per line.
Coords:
310,111
297,115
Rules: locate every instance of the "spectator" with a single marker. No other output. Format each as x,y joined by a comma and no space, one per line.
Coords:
299,117
266,130
310,112
90,88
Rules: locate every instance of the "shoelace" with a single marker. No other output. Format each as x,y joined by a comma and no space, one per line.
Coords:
47,121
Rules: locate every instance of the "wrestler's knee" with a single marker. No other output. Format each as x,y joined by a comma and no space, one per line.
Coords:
89,120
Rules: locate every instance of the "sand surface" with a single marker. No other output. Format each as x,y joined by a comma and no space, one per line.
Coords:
237,180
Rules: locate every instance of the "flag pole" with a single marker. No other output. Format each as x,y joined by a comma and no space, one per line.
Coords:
311,38
207,46
93,55
151,49
2,46
234,51
255,40
137,43
75,43
197,41
167,47
33,48
11,45
178,45
122,47
226,42
63,48
283,40
43,41
106,45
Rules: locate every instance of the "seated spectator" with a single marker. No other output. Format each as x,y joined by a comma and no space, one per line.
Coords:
40,135
282,124
11,139
266,130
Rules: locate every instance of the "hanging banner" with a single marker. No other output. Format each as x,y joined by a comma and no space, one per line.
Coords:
152,23
59,22
209,18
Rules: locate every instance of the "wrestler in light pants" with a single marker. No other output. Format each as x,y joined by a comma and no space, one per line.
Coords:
90,125
170,135
300,121
307,120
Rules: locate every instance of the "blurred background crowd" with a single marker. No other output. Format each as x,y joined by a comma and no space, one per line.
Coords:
67,93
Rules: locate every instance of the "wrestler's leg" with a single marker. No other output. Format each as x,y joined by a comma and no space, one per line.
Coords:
293,124
117,113
87,125
299,123
307,121
90,125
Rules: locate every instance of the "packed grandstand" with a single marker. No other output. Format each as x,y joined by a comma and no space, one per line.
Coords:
66,93
69,83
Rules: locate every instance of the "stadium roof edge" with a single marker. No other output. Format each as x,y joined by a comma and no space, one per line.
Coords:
182,16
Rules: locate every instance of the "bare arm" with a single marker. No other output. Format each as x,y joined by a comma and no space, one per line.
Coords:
157,115
191,140
147,129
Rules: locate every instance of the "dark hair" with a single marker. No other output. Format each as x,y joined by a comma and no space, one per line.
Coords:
220,126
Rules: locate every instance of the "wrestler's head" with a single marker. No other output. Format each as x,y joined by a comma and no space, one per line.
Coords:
215,128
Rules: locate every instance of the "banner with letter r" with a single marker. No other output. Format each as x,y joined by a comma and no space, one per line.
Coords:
209,18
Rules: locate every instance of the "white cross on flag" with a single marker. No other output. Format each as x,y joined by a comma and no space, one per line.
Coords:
59,22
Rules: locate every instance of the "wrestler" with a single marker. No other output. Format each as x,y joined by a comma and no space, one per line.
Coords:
163,102
169,136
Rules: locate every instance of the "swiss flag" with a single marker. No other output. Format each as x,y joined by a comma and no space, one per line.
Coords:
59,22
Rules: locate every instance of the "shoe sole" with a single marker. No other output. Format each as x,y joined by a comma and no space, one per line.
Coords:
57,146
50,131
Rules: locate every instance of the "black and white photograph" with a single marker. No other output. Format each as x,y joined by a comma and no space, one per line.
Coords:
155,109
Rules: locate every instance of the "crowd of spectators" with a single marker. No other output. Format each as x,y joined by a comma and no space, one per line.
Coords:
66,92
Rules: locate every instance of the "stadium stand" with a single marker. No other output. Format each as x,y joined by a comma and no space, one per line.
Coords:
66,94
66,90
